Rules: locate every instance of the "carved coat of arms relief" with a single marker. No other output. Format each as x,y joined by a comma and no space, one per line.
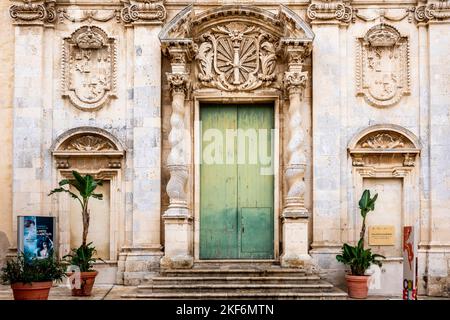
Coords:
236,57
382,66
89,67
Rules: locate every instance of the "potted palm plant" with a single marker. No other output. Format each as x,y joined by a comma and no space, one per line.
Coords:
32,278
358,258
83,256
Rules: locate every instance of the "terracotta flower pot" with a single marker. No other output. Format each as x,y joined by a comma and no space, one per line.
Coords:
31,291
357,286
87,280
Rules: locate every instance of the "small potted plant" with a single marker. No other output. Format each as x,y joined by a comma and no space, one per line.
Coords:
83,256
358,258
32,278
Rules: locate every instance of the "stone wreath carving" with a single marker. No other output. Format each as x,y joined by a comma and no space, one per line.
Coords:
89,68
382,66
236,57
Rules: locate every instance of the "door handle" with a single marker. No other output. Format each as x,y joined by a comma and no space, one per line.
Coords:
243,229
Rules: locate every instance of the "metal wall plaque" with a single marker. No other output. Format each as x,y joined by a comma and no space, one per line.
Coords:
381,235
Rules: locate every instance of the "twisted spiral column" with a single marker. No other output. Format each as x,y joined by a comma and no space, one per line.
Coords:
296,164
176,161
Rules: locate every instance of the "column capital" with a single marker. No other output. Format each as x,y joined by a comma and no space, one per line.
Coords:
28,12
143,12
432,11
178,82
330,12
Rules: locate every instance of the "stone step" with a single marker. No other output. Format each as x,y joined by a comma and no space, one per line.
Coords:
334,294
232,272
233,288
236,280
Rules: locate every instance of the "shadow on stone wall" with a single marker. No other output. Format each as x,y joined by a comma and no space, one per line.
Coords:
4,245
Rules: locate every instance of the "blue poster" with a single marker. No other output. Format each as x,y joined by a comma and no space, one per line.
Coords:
38,237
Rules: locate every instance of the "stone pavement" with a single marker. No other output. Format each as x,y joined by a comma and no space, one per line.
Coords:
114,292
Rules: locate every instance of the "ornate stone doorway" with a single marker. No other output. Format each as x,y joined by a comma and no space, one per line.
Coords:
236,54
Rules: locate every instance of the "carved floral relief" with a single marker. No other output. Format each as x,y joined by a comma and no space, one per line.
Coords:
382,66
89,68
236,57
88,143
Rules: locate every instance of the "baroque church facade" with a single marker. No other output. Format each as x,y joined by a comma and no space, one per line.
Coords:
336,96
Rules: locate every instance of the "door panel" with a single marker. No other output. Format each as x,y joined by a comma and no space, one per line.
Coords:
255,186
255,243
218,194
236,196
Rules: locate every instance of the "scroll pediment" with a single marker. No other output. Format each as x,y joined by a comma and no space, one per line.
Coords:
187,24
235,48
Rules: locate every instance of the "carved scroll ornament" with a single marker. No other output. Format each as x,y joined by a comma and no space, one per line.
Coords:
338,11
89,68
236,57
28,12
436,10
383,66
144,11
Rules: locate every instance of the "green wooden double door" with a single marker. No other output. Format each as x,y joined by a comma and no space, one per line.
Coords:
236,182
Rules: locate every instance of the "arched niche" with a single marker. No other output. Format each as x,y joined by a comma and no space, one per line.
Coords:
384,160
97,152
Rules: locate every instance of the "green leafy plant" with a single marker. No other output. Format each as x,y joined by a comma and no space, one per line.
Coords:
85,186
358,258
83,257
26,270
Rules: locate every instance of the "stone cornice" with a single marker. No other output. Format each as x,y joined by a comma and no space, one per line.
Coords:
33,13
46,12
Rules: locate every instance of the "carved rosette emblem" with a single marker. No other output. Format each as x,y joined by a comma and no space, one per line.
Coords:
236,57
383,66
89,68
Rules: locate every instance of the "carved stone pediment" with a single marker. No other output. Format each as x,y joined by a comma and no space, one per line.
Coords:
383,74
89,68
234,48
391,141
87,148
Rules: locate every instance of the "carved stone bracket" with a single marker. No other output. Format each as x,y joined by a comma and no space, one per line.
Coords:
145,12
41,12
433,11
330,11
382,66
89,68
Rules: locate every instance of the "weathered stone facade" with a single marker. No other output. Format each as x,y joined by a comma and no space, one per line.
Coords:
113,88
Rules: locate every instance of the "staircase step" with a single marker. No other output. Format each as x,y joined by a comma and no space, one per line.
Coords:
233,272
334,294
234,279
225,288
